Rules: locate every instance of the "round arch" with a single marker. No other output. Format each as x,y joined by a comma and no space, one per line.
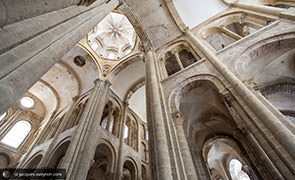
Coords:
130,169
110,149
101,163
34,161
189,84
248,54
58,153
4,160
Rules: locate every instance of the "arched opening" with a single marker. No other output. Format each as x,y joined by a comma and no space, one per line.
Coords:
172,65
17,134
34,162
225,160
102,163
2,116
4,160
272,67
131,128
57,157
129,171
143,152
233,27
236,172
187,58
206,116
219,40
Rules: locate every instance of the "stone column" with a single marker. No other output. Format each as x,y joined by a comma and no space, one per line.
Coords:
77,160
119,169
12,11
43,51
45,159
175,53
184,148
163,68
276,127
230,33
159,153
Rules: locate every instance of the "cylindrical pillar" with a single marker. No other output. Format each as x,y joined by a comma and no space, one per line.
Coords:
12,11
184,148
161,165
54,44
278,129
82,148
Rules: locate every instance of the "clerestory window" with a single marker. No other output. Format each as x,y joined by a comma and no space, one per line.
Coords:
17,134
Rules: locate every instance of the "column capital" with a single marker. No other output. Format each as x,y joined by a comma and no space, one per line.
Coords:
175,52
177,118
75,98
187,31
163,58
126,104
229,2
98,80
120,2
229,98
145,47
116,113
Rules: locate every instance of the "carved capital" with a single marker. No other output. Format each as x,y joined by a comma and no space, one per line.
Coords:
229,98
253,84
96,81
177,118
116,114
75,98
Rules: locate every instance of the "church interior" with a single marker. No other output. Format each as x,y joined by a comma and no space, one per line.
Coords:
149,90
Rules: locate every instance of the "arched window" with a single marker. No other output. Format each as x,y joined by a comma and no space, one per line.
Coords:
2,116
236,172
126,131
17,134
